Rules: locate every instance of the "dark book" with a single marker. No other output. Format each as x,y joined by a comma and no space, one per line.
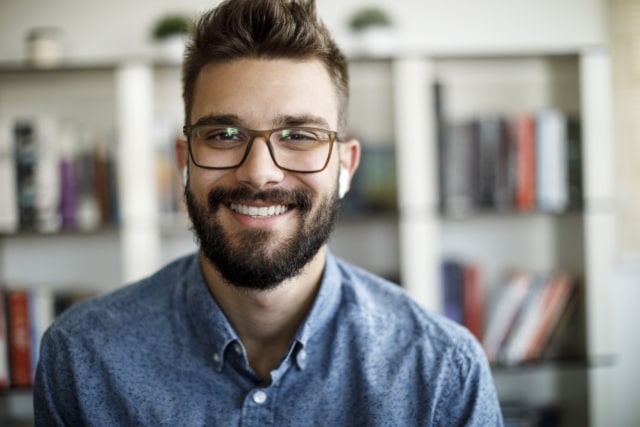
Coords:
458,159
26,157
490,137
441,143
574,159
452,286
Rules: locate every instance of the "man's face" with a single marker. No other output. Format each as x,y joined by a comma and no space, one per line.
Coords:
257,224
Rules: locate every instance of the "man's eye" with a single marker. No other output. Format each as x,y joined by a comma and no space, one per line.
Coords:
298,135
220,134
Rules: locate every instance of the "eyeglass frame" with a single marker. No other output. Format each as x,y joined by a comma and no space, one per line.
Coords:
334,136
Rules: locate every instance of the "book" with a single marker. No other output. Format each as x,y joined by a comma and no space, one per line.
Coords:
68,191
574,160
19,338
458,157
551,165
5,374
8,187
473,300
489,134
556,301
47,173
41,315
505,312
526,322
26,152
524,134
441,142
452,283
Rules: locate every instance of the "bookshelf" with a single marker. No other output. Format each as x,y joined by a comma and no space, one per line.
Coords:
578,241
138,102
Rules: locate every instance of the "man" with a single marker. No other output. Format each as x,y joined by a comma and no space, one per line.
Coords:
264,326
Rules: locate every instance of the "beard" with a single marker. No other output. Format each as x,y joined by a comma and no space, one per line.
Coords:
252,259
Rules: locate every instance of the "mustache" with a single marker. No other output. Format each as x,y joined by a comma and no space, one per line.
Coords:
300,199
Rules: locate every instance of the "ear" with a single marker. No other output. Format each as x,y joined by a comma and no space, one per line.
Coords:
182,153
349,161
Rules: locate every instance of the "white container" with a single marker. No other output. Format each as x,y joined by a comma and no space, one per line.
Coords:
44,47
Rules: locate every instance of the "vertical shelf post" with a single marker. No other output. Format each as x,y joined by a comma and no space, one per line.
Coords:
596,100
417,188
140,236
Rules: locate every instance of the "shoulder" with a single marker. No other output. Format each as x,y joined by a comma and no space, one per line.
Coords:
128,305
392,314
434,361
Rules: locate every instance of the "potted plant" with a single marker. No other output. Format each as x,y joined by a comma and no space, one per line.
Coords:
369,18
372,28
170,34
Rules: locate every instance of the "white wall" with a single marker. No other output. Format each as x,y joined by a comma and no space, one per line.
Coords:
99,29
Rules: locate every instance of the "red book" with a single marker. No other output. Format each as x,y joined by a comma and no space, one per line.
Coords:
19,338
473,301
525,164
4,345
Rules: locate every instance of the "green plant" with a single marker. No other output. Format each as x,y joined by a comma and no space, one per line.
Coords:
369,17
170,25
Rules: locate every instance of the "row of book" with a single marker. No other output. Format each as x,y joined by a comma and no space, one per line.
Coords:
25,314
524,164
55,175
529,312
374,185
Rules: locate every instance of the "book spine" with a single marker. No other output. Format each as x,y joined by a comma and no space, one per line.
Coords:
473,301
526,164
452,290
19,339
5,374
47,174
8,186
552,161
41,315
25,174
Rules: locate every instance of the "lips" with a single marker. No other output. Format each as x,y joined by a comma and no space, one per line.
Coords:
258,212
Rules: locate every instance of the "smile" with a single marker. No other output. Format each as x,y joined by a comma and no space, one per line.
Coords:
258,212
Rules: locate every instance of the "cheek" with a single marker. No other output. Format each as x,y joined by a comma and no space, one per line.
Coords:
201,181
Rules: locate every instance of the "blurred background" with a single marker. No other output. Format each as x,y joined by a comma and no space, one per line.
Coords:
498,183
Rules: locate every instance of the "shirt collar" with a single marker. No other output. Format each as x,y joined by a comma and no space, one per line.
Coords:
214,332
209,324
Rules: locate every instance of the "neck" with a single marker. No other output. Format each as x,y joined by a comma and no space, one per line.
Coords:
266,321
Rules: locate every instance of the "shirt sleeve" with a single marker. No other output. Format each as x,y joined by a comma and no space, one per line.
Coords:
471,399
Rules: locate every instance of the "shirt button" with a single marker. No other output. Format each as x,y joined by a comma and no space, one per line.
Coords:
216,357
302,356
259,397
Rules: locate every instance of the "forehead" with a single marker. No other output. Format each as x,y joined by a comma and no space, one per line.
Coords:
260,91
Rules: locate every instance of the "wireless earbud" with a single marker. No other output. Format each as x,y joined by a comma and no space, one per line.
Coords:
343,182
185,176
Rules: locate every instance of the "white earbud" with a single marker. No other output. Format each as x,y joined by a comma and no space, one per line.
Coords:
343,182
185,176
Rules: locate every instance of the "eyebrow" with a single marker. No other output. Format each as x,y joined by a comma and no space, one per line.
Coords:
279,121
301,120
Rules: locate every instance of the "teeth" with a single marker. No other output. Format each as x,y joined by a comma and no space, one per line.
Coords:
255,211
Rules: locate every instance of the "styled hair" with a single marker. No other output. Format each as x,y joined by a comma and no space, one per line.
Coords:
263,29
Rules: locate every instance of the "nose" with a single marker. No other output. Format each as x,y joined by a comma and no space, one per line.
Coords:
258,169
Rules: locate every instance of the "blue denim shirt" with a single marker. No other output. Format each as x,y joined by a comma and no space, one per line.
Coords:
161,353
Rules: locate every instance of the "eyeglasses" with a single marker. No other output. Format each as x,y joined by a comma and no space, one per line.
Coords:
294,149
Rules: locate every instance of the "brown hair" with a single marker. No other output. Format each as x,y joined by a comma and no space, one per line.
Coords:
270,29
